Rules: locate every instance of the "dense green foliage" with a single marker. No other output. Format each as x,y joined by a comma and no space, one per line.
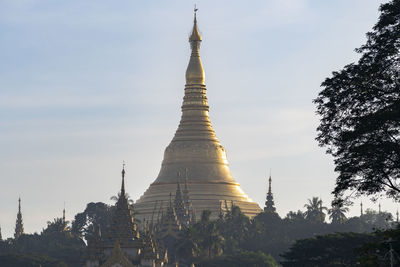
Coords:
232,239
360,113
269,234
248,259
346,249
377,252
98,214
14,260
329,250
55,245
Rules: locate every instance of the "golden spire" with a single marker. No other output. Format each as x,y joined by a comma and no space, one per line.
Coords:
195,71
195,36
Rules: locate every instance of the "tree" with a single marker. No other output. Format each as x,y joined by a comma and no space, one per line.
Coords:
337,213
61,246
234,229
295,216
360,113
56,226
206,236
338,249
381,220
377,252
247,258
315,210
267,233
12,260
95,214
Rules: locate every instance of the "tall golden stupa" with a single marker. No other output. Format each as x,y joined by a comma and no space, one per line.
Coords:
195,157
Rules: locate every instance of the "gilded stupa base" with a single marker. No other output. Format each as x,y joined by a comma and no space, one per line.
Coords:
215,197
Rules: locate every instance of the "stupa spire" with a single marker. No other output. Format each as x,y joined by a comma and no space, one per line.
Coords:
63,218
269,203
269,184
181,209
195,71
186,190
19,226
123,226
123,179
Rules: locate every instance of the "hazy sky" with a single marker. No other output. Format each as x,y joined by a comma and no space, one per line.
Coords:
85,85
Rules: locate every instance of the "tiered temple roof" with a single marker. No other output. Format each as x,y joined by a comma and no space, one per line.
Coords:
19,225
269,203
121,245
123,227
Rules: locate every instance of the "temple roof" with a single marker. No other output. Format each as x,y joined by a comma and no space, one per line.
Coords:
169,225
19,225
117,257
123,226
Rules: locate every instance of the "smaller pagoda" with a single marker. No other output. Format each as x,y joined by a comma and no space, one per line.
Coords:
19,225
269,203
121,243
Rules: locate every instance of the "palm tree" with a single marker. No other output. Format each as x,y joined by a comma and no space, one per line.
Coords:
209,238
315,210
337,213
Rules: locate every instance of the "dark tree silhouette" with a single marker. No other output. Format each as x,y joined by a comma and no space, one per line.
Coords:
95,214
360,110
315,210
337,213
338,249
56,226
299,215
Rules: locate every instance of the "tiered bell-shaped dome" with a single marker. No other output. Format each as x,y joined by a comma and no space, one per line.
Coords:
196,151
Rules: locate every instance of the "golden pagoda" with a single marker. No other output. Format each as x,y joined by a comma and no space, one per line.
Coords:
196,152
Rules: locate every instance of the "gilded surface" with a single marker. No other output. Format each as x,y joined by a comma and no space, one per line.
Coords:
195,150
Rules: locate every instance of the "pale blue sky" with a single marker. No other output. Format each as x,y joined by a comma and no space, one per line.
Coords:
87,84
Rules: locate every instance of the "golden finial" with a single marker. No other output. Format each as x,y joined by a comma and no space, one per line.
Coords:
195,11
195,71
195,36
